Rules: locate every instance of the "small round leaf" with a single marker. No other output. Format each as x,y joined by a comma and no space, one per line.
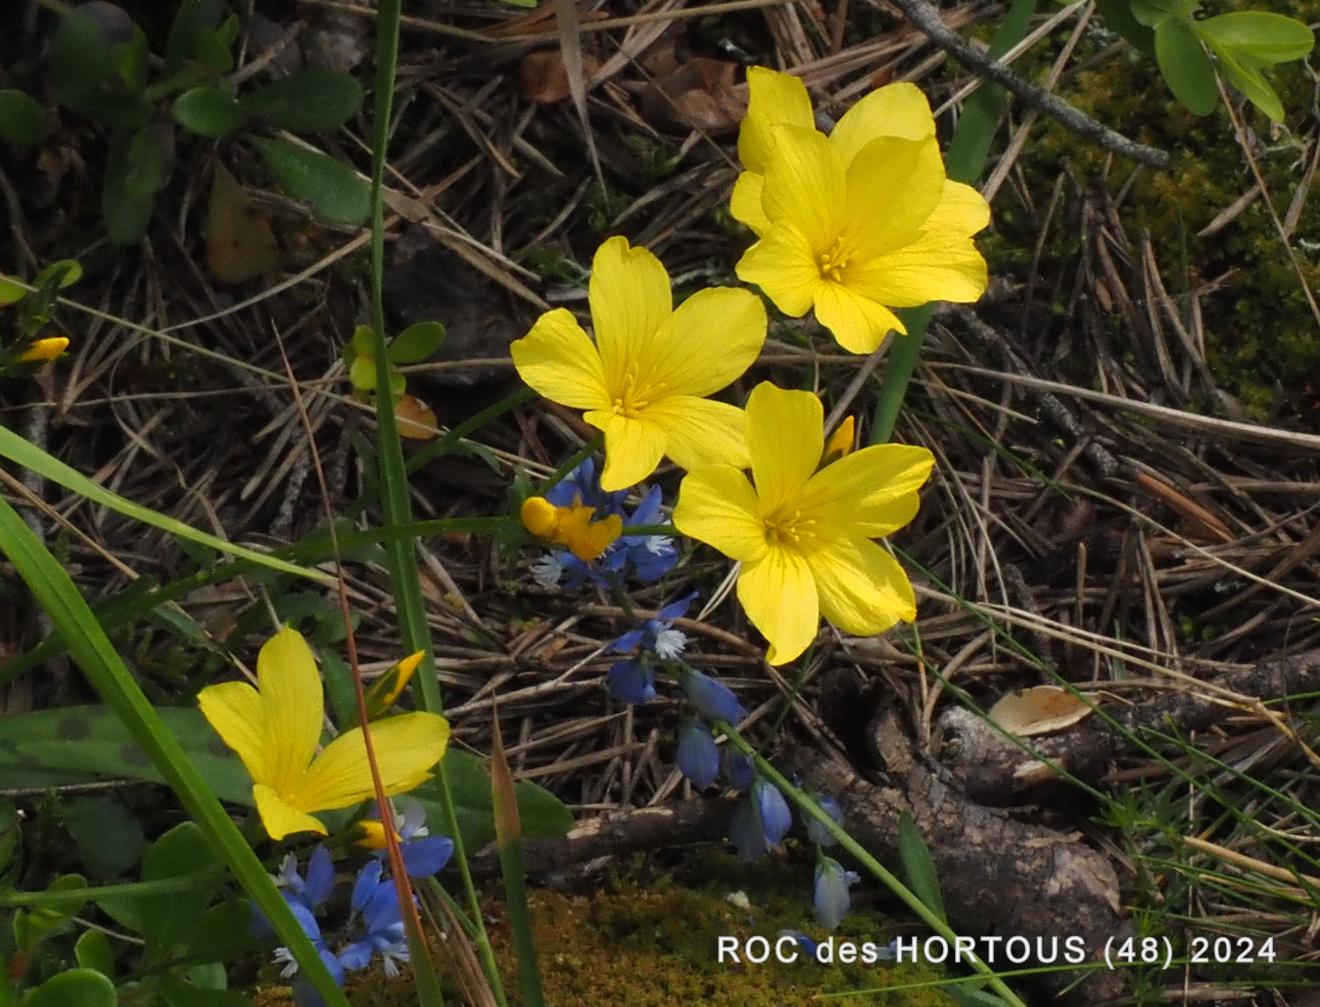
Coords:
313,100
74,988
416,342
22,120
333,189
207,111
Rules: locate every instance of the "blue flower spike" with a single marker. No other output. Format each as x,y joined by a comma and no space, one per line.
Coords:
713,700
738,769
761,820
631,681
377,902
697,756
817,832
831,897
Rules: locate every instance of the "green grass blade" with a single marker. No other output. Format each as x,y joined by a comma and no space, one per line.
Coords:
509,842
92,651
968,151
395,503
16,449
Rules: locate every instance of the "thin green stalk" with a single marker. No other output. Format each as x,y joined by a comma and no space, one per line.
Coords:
95,655
395,502
968,151
810,807
78,896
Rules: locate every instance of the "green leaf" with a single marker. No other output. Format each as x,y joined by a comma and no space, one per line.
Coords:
540,812
18,450
82,58
171,920
314,100
416,342
137,167
10,292
178,992
74,988
362,374
92,651
1245,75
191,18
1152,13
83,743
207,111
92,951
213,52
1118,17
22,119
70,271
919,866
109,837
131,61
1258,35
1186,68
35,925
224,932
9,836
331,187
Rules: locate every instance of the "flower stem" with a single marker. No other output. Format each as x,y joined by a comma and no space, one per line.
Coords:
890,881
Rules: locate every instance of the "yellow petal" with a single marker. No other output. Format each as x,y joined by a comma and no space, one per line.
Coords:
894,110
840,443
805,187
773,99
539,516
862,588
894,186
718,506
870,493
558,360
630,297
856,321
584,538
633,448
783,265
785,437
279,817
699,432
780,599
371,835
937,266
961,210
745,205
292,701
234,710
406,748
705,345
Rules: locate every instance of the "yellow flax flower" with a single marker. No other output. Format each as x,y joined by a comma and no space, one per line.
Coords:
645,378
859,222
571,527
802,530
275,730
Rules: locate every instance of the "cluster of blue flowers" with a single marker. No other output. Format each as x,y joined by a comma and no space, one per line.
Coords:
375,923
647,557
762,818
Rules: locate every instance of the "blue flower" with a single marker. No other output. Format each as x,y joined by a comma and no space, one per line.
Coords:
738,769
382,923
424,855
817,832
713,700
657,634
697,756
804,942
831,897
649,557
313,890
631,681
289,966
760,821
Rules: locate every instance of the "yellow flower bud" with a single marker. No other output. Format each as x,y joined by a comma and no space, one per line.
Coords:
840,442
43,350
540,517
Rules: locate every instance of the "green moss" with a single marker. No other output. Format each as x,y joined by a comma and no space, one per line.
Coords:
1262,342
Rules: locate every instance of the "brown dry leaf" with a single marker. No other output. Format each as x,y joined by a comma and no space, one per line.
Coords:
1043,709
239,242
543,78
416,419
699,95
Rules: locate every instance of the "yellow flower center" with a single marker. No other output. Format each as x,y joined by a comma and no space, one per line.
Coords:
790,531
835,261
633,398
